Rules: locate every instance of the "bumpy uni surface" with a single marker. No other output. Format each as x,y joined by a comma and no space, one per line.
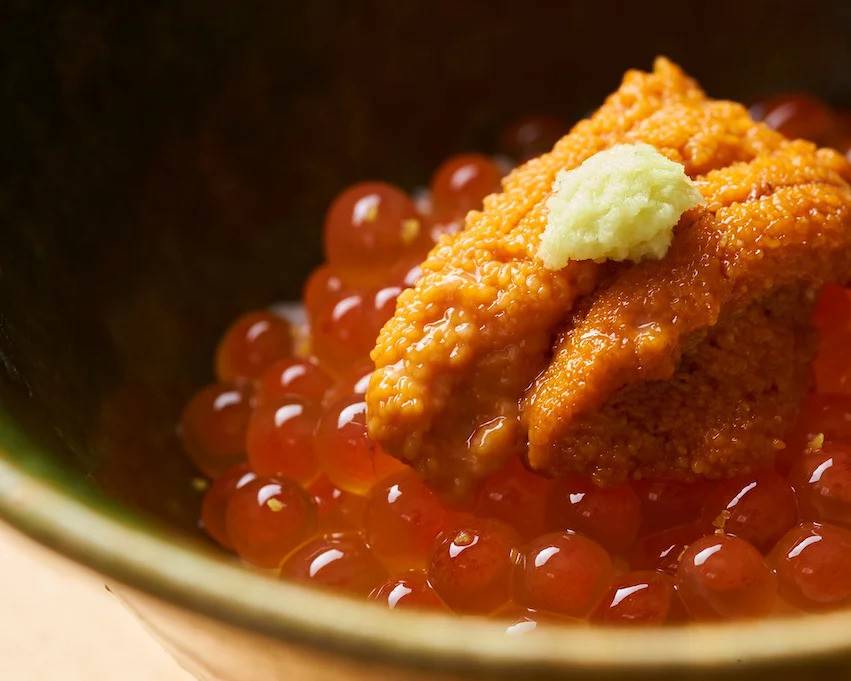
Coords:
786,225
724,410
455,389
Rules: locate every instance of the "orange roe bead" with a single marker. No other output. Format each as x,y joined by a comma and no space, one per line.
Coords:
267,518
562,572
349,458
408,272
668,503
369,227
214,504
515,496
336,509
213,426
293,377
353,381
609,515
402,521
822,480
408,591
662,550
344,333
832,312
813,563
461,182
421,197
384,305
324,287
280,440
797,116
340,562
724,577
531,136
758,508
251,344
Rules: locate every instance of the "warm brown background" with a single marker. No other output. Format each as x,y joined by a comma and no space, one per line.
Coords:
61,623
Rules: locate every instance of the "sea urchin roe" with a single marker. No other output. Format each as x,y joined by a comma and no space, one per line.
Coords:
773,229
657,368
619,204
733,389
723,577
477,327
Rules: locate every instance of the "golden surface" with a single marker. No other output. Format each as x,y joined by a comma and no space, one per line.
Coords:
724,409
479,327
778,222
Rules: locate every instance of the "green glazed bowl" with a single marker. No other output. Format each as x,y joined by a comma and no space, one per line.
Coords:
168,168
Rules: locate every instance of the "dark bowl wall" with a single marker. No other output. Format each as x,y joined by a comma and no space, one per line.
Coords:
167,165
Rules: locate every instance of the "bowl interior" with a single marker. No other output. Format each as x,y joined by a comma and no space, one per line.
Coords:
169,167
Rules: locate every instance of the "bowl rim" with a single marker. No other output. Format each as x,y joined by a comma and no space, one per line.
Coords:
186,573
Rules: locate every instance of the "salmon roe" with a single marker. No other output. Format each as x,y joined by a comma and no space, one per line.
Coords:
563,572
213,428
253,342
662,550
349,458
369,227
293,377
215,503
823,481
298,487
798,115
336,509
643,597
267,518
411,590
757,508
471,566
609,515
403,519
280,440
460,184
813,563
531,136
723,577
338,561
